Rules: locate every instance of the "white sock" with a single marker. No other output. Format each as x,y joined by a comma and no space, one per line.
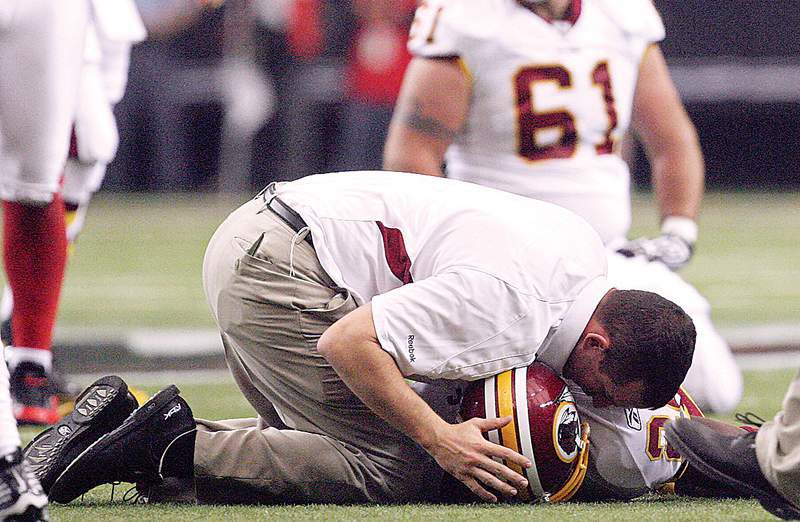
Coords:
9,436
6,303
17,354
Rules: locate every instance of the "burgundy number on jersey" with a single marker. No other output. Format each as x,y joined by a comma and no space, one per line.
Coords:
601,77
530,121
657,447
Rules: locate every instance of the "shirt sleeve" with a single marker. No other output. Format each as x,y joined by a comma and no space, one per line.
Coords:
652,27
434,32
638,18
459,325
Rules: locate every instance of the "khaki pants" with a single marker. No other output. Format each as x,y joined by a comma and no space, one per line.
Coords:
314,441
778,446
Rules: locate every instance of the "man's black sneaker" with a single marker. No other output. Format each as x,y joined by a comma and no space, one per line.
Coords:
99,409
21,495
133,452
729,459
32,394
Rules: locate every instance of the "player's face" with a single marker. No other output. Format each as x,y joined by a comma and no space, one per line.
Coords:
587,372
607,393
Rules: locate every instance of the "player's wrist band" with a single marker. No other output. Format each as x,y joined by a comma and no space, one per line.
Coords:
681,226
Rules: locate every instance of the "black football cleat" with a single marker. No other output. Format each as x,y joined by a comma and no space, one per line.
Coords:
99,409
729,459
133,452
21,495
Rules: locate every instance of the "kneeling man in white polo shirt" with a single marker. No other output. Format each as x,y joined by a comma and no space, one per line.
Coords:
332,290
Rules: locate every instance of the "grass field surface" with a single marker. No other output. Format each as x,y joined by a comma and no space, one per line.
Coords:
220,399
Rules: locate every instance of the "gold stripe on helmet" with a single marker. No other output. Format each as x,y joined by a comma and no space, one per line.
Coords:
508,433
505,406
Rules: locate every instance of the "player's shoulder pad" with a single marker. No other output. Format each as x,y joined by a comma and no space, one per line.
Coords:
637,18
445,28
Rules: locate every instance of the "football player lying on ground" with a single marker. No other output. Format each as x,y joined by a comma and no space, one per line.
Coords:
329,292
626,457
533,97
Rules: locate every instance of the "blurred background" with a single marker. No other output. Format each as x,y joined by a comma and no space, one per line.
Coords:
229,96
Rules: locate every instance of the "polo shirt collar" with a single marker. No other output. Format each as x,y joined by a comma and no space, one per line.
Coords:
558,346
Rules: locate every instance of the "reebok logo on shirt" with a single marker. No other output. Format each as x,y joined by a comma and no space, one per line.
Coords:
411,356
633,418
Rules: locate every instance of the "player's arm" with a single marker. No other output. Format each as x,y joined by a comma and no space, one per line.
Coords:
351,346
431,109
670,141
669,137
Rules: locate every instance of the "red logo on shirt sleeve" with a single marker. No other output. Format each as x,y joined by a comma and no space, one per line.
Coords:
395,250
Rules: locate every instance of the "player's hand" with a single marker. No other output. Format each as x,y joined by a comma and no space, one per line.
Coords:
461,450
670,249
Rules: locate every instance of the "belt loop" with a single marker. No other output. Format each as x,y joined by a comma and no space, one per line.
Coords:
268,190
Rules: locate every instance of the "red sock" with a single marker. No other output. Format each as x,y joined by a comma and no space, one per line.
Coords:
35,254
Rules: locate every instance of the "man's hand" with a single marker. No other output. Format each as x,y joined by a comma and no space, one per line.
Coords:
461,450
670,249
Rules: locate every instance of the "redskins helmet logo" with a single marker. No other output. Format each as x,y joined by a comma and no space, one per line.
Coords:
566,432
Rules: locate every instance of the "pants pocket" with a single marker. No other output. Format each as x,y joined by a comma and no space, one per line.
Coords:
314,320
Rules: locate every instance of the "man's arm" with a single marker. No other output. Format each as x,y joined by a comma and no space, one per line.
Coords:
351,346
676,163
670,139
430,111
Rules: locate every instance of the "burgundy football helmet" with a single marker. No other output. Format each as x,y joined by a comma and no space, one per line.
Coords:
545,428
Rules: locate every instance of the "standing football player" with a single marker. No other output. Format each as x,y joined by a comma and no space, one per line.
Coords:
112,28
533,97
41,45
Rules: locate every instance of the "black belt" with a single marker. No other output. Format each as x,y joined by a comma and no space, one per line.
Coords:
284,211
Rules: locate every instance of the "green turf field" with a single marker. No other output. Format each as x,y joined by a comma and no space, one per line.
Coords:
763,393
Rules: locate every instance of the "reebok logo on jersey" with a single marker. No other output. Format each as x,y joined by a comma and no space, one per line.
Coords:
174,409
411,350
633,418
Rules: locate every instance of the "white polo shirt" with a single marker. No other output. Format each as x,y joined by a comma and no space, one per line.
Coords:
465,281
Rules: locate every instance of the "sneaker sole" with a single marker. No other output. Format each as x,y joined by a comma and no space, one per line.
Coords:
91,412
61,491
767,498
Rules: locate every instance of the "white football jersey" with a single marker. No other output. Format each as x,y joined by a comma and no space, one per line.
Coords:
628,453
550,100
